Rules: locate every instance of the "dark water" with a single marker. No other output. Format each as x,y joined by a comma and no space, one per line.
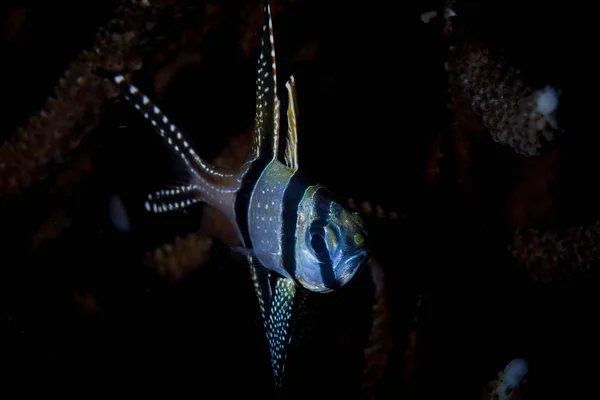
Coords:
371,101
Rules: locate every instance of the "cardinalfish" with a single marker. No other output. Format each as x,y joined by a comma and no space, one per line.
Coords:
286,224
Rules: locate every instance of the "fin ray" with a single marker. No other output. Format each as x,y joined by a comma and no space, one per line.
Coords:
291,145
172,135
173,199
279,329
262,288
266,130
276,299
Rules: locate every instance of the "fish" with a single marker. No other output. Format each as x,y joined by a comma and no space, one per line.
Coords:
292,230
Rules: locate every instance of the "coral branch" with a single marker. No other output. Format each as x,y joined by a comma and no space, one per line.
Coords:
548,255
377,353
78,101
177,260
515,114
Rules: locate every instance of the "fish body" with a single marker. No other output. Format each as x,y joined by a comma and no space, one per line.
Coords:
289,225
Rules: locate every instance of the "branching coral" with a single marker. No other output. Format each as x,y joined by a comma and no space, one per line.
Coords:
487,95
515,114
174,261
548,255
377,353
79,98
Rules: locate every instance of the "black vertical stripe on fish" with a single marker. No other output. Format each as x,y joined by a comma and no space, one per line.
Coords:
266,124
242,201
329,276
317,241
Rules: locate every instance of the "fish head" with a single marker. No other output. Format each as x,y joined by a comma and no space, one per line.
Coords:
331,243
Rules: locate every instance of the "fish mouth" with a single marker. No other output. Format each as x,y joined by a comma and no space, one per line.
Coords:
353,265
362,254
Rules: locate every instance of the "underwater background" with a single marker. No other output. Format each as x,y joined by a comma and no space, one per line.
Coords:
486,235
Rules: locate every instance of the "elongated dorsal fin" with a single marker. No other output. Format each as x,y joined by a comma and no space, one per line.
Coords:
291,146
266,128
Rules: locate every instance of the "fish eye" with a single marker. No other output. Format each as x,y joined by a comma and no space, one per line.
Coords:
358,239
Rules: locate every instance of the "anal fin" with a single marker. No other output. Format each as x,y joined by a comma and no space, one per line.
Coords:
276,297
280,325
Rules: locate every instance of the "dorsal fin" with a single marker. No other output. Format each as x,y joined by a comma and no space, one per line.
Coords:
266,123
172,135
291,145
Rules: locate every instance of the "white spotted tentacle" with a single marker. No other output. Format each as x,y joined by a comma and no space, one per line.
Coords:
173,199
